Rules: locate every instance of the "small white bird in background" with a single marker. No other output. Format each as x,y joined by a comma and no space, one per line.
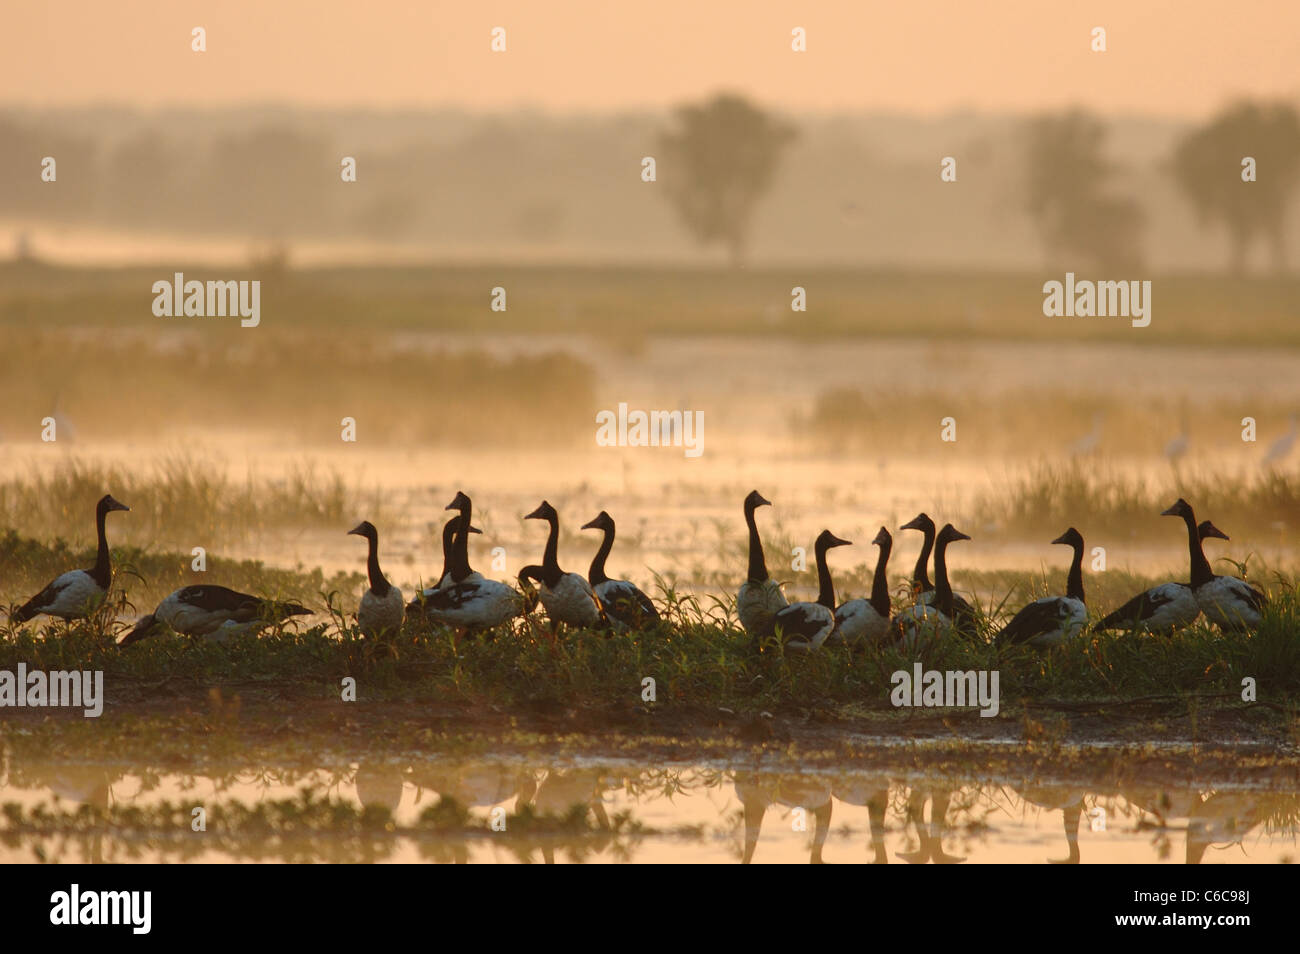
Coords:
1176,449
1088,443
1281,447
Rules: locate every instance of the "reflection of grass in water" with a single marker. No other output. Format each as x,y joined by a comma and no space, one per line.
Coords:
1049,497
295,384
181,501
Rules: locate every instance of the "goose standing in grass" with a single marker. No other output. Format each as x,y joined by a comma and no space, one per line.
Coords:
381,607
76,594
760,597
923,589
867,620
473,605
805,626
214,611
624,603
1230,603
1052,620
1166,606
567,597
927,620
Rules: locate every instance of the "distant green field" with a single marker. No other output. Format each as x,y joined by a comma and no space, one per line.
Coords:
616,301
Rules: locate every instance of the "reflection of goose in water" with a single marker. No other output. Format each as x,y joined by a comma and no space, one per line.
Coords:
873,793
756,792
1221,821
379,784
562,791
1070,803
930,835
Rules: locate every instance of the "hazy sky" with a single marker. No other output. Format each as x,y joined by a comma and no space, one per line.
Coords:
1177,57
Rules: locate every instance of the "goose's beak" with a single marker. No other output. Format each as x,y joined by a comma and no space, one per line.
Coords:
916,523
593,524
535,515
475,530
1061,539
356,531
837,542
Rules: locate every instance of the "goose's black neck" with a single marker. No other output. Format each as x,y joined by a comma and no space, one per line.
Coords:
1074,582
825,588
460,566
880,582
379,585
551,571
921,574
102,572
597,572
449,546
943,589
757,565
1201,572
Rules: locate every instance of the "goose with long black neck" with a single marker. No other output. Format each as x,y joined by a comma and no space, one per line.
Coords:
1229,602
76,594
448,545
625,605
922,589
460,569
1052,620
805,626
1167,606
924,622
567,597
216,613
474,605
760,597
381,610
867,620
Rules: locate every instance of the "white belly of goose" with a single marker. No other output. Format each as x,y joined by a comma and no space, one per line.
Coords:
481,604
857,621
1180,607
571,601
757,605
190,620
78,596
379,614
1229,603
920,624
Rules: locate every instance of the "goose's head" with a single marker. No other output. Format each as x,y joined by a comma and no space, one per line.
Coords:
602,521
107,504
950,534
1179,509
756,500
883,539
920,522
826,540
364,529
1071,538
544,512
1207,530
461,503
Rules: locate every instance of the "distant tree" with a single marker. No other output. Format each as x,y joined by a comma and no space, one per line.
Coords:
1207,164
717,163
1069,193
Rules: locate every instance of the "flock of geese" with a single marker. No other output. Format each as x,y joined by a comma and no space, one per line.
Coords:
467,601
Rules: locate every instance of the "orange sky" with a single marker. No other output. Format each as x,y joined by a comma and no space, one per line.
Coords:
1177,57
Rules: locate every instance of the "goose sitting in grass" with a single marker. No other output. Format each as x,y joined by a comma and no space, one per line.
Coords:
963,613
1166,606
76,594
625,604
473,605
805,626
1230,603
461,503
1052,620
867,620
212,611
925,621
381,607
567,597
760,597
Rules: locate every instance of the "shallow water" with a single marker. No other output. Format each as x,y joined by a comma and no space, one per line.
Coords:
617,811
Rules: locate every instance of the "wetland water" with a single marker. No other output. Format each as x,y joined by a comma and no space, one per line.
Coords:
618,811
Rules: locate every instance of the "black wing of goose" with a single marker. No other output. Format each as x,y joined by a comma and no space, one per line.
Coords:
1039,617
45,598
800,620
625,603
1140,608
